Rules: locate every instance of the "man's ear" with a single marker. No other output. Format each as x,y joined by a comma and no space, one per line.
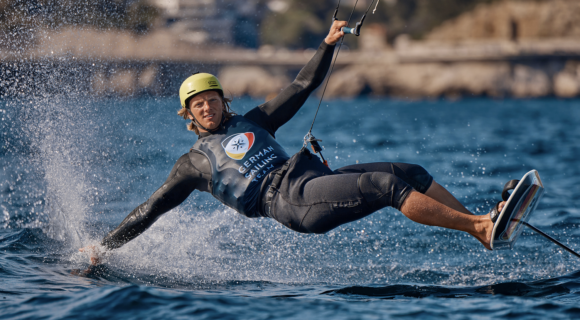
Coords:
189,115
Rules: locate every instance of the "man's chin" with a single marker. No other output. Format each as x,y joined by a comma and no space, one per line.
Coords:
211,125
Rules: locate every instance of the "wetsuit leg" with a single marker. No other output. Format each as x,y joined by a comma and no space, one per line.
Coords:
329,201
414,175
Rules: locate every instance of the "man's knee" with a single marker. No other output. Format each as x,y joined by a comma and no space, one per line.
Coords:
415,175
381,189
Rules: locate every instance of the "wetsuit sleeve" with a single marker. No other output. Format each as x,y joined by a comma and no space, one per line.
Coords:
182,181
276,112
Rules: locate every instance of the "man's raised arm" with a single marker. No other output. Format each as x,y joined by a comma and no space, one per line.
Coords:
276,112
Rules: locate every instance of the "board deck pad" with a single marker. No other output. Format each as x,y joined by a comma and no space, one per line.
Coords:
517,210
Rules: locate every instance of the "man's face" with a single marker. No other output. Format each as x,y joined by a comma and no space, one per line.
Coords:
207,107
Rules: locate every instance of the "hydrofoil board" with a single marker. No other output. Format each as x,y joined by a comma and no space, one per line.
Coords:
519,206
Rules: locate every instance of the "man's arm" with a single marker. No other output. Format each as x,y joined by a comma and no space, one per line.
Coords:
182,181
179,185
276,112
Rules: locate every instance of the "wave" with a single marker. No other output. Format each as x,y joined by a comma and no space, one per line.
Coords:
263,300
550,288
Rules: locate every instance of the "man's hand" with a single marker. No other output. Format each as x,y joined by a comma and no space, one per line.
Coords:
335,33
94,252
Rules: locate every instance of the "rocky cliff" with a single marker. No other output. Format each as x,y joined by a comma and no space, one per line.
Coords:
507,48
513,20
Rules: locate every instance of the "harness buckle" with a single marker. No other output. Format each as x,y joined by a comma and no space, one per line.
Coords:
309,138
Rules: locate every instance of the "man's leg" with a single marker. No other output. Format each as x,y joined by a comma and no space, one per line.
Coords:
328,201
414,175
440,194
425,210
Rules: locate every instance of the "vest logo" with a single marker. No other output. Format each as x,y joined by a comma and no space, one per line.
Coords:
236,146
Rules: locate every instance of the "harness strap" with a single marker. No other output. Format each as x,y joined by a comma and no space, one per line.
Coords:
275,185
277,181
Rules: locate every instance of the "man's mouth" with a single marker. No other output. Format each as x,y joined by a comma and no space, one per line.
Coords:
209,116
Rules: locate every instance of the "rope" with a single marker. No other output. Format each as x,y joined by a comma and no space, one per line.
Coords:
337,52
331,68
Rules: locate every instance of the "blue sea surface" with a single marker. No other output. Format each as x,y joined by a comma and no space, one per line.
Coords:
73,168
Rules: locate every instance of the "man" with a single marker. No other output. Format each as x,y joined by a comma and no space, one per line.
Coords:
239,162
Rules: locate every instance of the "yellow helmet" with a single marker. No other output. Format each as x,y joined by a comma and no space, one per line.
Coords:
198,83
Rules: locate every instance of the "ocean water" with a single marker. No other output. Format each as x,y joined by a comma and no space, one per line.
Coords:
73,168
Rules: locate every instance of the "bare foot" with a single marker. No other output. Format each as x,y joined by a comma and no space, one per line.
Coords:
485,228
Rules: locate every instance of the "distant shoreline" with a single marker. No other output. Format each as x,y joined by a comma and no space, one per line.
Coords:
119,63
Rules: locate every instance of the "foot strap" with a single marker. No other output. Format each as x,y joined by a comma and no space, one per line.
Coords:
510,185
494,213
505,195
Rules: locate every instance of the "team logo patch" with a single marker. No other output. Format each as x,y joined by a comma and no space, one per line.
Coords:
236,146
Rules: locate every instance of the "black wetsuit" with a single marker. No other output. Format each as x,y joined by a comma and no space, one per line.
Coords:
302,194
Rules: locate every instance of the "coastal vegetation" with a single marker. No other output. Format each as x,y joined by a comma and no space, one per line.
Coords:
302,23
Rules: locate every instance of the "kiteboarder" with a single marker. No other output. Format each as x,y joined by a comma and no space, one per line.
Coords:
238,160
